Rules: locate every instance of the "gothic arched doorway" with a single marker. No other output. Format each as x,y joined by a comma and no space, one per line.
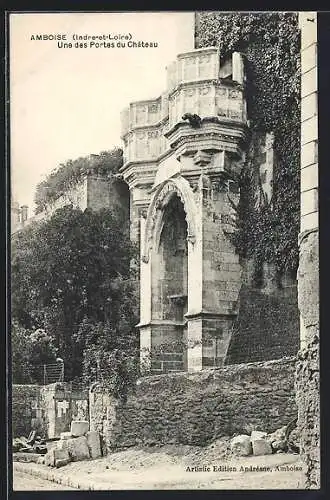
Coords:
170,289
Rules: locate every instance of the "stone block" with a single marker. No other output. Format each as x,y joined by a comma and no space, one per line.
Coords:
238,67
309,106
309,130
26,457
51,444
61,454
258,435
60,462
308,28
230,295
94,444
66,435
309,177
78,448
79,427
241,445
308,58
309,153
62,444
309,201
50,458
309,221
261,447
309,82
230,257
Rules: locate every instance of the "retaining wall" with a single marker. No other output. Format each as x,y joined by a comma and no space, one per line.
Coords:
200,407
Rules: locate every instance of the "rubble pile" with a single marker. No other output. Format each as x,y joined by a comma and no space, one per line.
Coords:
32,444
78,444
282,440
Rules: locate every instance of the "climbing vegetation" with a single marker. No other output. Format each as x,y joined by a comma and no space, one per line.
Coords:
271,45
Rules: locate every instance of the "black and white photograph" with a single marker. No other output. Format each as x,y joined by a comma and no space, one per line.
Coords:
164,250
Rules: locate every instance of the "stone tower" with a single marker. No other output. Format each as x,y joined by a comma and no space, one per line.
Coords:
183,153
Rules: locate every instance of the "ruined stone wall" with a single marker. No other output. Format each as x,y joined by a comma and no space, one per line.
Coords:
26,409
48,409
105,193
91,192
77,196
61,405
102,415
98,193
199,407
308,371
267,326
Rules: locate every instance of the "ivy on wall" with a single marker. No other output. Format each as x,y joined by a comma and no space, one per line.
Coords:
69,174
271,45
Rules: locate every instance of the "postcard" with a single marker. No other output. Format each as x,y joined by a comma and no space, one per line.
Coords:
164,250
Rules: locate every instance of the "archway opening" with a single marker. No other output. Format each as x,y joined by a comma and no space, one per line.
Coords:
170,290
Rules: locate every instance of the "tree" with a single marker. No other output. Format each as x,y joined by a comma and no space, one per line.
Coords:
30,350
71,271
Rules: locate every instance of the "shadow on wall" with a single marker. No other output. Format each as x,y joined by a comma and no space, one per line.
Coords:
267,326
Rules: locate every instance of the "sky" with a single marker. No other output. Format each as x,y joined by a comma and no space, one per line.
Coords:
66,102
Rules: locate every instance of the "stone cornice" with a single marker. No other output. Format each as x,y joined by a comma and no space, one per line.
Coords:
204,314
217,82
160,322
146,127
136,179
130,165
201,51
138,163
218,137
227,123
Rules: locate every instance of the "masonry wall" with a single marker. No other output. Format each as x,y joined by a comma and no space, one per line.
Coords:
26,409
105,193
199,407
308,369
48,409
267,325
61,405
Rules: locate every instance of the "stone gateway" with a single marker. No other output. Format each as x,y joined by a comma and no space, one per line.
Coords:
183,155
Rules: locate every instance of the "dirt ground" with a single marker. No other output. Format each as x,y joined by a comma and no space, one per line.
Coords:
185,467
26,482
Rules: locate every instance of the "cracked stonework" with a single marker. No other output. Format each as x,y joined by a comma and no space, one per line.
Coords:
307,373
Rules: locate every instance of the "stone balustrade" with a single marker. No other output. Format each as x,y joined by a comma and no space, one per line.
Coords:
195,66
195,84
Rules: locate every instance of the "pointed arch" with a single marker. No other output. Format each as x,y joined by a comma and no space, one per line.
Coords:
175,186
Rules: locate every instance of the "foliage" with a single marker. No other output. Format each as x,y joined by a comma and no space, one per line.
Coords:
111,351
69,174
111,348
271,44
30,350
71,269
